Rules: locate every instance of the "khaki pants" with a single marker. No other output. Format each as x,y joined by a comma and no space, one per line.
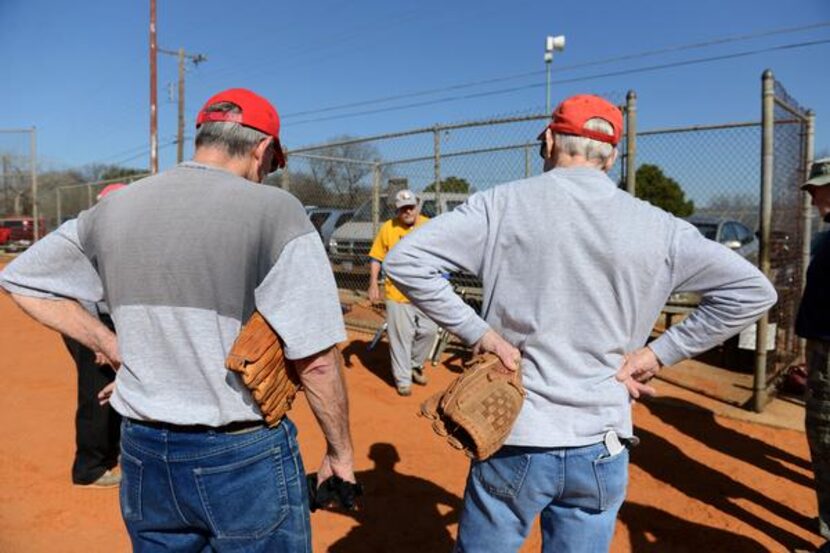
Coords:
411,334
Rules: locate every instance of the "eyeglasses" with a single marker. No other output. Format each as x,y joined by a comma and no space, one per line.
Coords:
543,149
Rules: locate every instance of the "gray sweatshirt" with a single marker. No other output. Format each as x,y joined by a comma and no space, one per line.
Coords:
575,272
182,259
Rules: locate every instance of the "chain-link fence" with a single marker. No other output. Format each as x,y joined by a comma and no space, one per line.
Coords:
712,175
787,226
64,202
737,182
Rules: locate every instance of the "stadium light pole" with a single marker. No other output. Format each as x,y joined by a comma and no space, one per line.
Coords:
552,44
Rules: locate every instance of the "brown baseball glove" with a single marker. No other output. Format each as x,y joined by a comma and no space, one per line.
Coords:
257,356
477,411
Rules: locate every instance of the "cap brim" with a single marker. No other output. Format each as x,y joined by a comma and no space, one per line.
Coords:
821,180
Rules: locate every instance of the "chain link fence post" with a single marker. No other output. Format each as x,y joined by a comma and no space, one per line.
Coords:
376,174
437,167
35,214
58,213
759,387
631,142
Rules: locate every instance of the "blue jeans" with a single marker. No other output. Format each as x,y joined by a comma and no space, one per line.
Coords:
209,491
577,490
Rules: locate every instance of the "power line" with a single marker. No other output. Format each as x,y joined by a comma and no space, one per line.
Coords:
564,81
628,57
462,86
143,153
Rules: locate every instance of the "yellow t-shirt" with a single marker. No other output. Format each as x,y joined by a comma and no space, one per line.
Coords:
389,234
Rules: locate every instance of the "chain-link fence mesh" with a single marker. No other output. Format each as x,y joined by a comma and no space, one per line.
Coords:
786,232
65,202
709,174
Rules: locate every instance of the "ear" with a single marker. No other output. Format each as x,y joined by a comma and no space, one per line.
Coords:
550,142
262,147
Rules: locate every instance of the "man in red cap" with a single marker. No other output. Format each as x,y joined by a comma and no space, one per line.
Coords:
182,259
575,272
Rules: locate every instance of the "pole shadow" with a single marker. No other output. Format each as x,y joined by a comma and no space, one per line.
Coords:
399,512
654,531
701,425
667,463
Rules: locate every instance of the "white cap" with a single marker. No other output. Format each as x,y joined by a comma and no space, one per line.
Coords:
404,198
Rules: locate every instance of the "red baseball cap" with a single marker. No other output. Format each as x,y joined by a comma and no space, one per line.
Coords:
257,113
109,189
570,117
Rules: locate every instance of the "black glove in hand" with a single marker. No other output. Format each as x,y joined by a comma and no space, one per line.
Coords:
333,492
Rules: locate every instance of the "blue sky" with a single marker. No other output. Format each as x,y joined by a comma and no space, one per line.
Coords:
79,70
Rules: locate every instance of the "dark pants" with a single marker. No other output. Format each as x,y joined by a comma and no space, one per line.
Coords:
97,428
818,427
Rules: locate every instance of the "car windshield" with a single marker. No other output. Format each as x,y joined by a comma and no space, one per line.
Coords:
708,230
364,212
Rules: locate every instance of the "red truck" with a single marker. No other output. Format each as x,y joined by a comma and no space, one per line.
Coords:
23,228
20,231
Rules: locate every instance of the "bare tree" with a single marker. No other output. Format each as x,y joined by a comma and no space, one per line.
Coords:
346,180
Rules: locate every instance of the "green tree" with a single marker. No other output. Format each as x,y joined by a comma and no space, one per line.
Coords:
452,184
658,189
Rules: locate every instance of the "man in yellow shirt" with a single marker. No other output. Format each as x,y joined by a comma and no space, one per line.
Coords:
410,331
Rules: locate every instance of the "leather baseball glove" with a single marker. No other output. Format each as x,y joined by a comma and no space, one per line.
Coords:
257,356
477,411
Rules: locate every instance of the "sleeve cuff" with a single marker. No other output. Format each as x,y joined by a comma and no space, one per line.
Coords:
666,350
24,291
315,345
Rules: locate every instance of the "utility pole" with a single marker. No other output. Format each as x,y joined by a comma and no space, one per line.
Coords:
196,59
154,138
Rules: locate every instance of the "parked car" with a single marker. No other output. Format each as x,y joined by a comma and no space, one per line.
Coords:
349,245
328,219
733,234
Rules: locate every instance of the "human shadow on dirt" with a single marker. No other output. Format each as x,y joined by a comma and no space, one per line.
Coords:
376,361
399,512
701,425
667,463
654,531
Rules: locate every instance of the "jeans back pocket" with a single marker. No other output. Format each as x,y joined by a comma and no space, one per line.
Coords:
612,479
247,498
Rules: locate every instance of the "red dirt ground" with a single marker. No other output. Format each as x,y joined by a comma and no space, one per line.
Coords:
699,482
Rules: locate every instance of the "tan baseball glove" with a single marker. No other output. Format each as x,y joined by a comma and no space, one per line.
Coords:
477,411
257,356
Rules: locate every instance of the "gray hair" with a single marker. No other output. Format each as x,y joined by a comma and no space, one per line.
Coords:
587,147
234,138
